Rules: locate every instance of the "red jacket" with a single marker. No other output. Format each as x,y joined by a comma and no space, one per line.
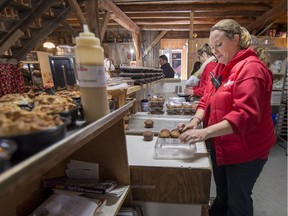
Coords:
243,99
205,77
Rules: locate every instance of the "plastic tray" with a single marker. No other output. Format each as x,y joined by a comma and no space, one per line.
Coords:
169,148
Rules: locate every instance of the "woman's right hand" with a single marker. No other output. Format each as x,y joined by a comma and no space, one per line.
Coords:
183,126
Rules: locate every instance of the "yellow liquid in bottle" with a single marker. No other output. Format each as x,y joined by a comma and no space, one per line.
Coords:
91,76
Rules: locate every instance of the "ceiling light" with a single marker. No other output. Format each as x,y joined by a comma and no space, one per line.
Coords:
49,45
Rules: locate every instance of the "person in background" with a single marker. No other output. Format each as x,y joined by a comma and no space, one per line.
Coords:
208,62
166,67
236,115
196,67
193,79
25,74
108,62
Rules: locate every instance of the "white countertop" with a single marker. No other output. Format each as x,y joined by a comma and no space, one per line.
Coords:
140,153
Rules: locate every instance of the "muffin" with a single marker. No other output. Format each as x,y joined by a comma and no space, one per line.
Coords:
149,123
148,135
164,133
175,133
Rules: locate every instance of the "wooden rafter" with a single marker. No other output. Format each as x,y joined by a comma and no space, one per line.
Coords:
33,15
118,15
77,11
92,13
155,41
269,16
48,29
104,24
69,28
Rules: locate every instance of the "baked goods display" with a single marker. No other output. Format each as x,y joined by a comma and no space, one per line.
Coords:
165,133
175,133
74,94
8,106
19,99
156,104
21,122
46,99
189,108
149,123
148,135
174,108
180,108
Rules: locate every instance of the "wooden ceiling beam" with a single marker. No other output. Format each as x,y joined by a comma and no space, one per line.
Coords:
155,41
104,24
118,15
69,28
152,2
185,15
245,20
193,7
175,27
77,12
268,17
47,29
26,21
92,14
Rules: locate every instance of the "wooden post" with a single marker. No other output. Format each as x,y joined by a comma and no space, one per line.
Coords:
191,46
138,50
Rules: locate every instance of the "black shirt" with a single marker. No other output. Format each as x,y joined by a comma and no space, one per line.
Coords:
168,70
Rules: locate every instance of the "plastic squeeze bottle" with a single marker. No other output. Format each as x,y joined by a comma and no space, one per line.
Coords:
91,76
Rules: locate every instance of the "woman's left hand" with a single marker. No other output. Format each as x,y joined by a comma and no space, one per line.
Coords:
189,91
193,136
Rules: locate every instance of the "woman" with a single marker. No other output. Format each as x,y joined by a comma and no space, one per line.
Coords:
208,62
236,115
193,79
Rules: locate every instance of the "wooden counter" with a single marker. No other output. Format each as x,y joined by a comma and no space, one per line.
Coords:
169,181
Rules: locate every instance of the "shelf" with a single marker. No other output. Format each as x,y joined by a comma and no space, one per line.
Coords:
113,203
27,176
30,62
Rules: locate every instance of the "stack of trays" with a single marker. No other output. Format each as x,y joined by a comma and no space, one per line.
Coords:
178,106
141,75
156,104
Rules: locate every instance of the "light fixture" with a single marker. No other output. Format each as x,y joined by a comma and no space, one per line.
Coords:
49,45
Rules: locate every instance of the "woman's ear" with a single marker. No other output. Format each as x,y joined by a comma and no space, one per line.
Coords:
236,38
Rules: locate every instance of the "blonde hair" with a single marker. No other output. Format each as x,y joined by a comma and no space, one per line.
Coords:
263,55
205,49
230,28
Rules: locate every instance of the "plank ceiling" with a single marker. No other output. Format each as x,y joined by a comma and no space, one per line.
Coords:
60,19
174,16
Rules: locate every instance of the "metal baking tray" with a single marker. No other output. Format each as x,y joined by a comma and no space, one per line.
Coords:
170,122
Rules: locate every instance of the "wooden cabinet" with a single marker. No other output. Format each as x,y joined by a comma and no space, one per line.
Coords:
100,142
168,181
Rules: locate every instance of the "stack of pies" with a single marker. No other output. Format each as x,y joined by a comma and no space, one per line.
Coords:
14,123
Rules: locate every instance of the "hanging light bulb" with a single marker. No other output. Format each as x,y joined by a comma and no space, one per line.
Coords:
49,45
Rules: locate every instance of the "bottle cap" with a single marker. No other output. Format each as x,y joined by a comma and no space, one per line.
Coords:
87,38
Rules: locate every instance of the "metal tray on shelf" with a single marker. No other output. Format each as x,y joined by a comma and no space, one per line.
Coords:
170,122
